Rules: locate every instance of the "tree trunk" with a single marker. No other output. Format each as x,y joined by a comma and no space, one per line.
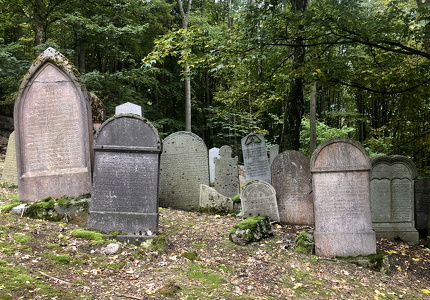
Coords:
185,17
38,23
294,103
313,119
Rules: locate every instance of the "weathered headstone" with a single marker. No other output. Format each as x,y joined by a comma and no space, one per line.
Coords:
184,166
392,197
126,175
340,181
226,173
255,158
213,153
259,199
274,151
128,108
210,198
10,173
53,131
422,205
291,178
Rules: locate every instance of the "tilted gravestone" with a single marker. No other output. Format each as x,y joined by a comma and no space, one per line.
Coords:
340,182
259,199
392,197
10,173
226,173
213,153
274,151
291,178
128,108
184,166
210,198
53,131
255,158
126,176
422,205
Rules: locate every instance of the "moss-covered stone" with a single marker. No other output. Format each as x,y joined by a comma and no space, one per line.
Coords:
304,243
236,199
251,229
191,255
378,262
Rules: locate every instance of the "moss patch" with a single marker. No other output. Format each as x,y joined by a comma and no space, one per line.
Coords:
304,243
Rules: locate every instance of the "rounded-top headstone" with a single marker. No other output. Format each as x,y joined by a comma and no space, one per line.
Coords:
340,181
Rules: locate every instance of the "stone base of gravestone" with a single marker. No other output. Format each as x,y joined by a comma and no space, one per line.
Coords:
211,199
358,243
395,231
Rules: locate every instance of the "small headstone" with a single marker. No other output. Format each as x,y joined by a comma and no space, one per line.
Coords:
392,197
210,198
291,178
10,173
259,199
422,205
213,153
126,171
274,151
255,158
184,166
128,108
226,173
340,180
53,131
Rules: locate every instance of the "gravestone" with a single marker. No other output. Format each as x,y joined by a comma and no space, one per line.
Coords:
184,166
274,151
392,197
128,108
340,183
10,173
126,175
422,205
259,199
291,178
213,153
53,131
210,198
255,158
226,173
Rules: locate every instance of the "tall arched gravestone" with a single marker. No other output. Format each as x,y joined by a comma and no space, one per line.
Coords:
255,158
213,154
392,197
53,131
291,178
10,173
184,166
340,181
258,198
226,173
126,176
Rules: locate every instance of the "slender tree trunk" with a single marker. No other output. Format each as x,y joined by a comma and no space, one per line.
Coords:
294,103
185,15
313,119
38,22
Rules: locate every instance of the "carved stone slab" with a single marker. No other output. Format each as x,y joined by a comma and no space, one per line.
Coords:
226,173
255,158
392,197
126,175
259,199
340,182
129,108
53,131
10,173
210,198
422,205
213,153
184,166
291,178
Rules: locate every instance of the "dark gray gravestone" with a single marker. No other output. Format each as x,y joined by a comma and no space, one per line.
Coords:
53,131
184,166
213,153
291,178
126,175
392,197
255,158
129,108
259,199
10,173
340,182
226,173
422,205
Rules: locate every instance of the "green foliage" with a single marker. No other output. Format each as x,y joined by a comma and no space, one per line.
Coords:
304,243
61,259
88,234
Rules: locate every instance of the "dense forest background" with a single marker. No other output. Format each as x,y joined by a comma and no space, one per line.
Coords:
224,68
